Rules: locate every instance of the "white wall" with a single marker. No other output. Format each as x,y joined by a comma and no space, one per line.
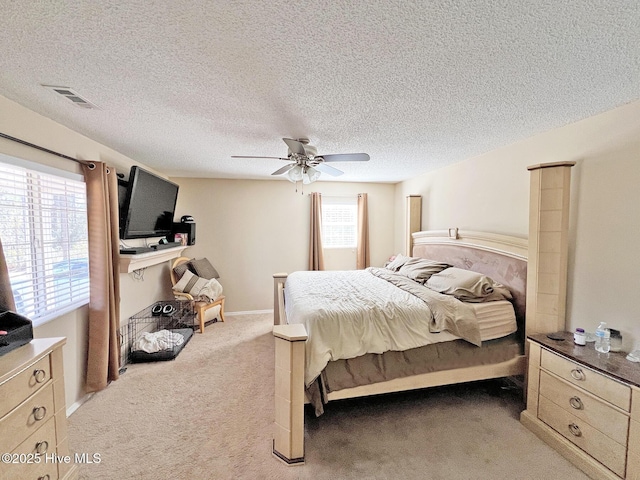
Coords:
491,193
251,229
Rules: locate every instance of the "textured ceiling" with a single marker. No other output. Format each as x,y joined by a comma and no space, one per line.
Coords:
183,85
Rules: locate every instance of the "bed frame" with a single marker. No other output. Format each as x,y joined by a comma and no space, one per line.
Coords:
500,257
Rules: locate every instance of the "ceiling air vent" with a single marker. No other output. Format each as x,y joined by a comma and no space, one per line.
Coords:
71,95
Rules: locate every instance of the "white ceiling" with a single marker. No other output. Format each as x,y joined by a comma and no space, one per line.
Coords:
183,85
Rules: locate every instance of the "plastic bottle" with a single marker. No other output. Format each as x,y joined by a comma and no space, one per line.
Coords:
603,342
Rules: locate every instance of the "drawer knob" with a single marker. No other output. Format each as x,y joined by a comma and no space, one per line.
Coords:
577,374
42,447
39,413
576,403
40,375
575,430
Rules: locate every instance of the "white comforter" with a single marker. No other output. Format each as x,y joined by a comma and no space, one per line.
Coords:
330,305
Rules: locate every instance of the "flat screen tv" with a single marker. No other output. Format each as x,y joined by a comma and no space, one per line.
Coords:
148,207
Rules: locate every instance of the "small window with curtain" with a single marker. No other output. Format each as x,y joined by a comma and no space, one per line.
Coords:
45,240
339,222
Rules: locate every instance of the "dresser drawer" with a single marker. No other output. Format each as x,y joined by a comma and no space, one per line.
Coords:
26,383
607,451
44,441
590,380
26,418
588,408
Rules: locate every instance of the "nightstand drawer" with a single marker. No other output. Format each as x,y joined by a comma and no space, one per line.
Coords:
24,384
607,451
590,380
600,415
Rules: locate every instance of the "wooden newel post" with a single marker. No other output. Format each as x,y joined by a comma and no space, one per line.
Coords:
288,438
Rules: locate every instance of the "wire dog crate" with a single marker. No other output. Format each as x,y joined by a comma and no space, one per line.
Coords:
182,316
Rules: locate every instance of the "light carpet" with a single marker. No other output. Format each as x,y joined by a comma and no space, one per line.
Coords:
209,413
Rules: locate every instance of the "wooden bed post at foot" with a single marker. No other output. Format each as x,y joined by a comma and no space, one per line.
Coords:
288,437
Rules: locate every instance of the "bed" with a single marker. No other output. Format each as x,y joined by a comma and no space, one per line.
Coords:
343,361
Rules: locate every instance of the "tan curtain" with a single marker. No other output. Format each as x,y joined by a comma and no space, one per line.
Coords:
316,256
7,303
103,360
362,252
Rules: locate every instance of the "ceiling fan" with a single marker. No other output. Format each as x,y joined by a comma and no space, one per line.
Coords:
306,165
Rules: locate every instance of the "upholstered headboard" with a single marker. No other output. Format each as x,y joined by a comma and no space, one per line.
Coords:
501,257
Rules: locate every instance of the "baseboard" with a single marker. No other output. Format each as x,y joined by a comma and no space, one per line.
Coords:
78,404
248,312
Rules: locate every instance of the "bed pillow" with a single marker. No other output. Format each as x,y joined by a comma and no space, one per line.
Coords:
395,264
203,268
468,286
421,269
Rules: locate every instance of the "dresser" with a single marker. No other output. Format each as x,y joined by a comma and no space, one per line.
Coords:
585,404
33,422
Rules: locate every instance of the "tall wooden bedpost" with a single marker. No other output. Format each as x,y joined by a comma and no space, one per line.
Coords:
288,435
548,246
414,219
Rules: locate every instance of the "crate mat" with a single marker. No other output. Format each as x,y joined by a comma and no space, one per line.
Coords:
140,356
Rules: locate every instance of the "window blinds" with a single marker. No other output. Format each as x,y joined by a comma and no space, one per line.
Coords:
44,237
339,222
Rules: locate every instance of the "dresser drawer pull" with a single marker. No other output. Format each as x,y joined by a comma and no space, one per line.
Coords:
577,374
45,477
40,375
39,413
42,447
575,430
576,403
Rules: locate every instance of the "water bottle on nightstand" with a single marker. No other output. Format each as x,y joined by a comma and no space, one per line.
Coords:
603,338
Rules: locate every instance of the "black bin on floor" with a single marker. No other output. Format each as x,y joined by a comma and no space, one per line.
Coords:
19,331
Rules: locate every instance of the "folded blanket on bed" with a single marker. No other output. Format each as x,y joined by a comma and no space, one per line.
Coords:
351,313
449,313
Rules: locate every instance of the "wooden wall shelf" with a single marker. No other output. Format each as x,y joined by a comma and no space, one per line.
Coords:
129,263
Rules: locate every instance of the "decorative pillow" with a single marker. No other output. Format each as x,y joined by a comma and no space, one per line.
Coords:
421,269
203,268
397,262
180,269
199,288
468,286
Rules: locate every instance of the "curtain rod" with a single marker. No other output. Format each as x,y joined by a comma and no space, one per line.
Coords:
38,147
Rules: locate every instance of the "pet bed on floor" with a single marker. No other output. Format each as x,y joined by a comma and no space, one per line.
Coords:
140,356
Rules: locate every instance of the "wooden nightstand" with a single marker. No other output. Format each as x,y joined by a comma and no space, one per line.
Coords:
586,405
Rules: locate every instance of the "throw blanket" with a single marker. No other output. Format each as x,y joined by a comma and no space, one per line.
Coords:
351,313
199,288
156,341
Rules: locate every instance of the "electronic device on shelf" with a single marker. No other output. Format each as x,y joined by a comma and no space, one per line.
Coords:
134,250
147,206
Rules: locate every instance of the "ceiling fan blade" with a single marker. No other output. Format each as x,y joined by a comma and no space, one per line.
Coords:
328,169
249,156
284,169
295,146
346,157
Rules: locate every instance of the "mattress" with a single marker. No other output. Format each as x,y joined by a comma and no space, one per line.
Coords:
495,319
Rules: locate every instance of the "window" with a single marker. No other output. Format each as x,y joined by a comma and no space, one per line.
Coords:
339,222
45,241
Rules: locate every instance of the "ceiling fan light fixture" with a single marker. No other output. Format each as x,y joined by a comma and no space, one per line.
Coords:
295,174
310,175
